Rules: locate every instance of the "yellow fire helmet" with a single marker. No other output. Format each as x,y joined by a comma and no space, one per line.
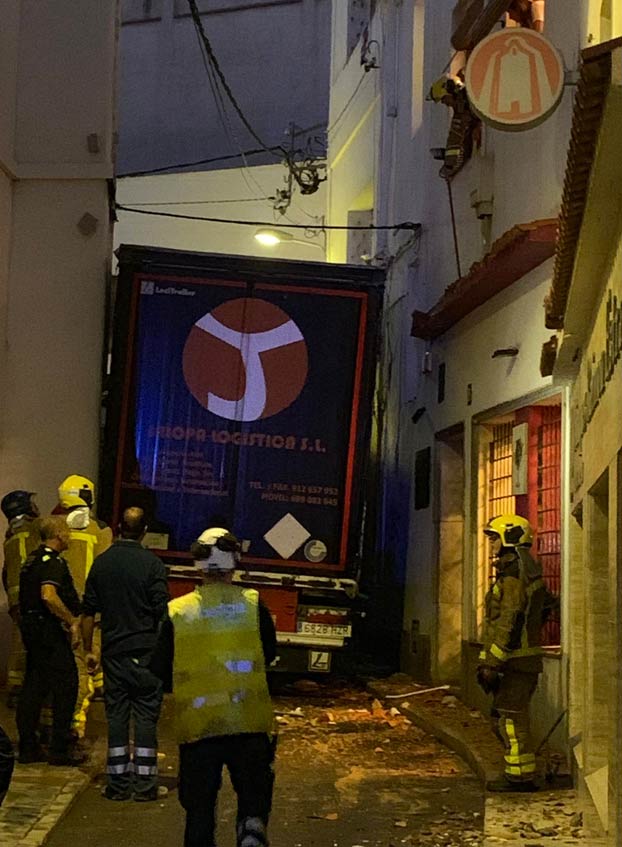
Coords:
445,86
513,530
77,486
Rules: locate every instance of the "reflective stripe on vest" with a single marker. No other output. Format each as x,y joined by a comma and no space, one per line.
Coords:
17,548
80,555
219,680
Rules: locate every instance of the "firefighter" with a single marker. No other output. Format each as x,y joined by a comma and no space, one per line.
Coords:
511,658
223,640
22,537
88,538
464,129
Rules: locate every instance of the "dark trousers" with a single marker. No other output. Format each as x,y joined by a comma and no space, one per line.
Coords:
249,760
132,691
50,669
7,760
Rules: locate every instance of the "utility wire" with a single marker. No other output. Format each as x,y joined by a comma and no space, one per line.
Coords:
409,225
193,164
196,17
346,107
202,202
213,159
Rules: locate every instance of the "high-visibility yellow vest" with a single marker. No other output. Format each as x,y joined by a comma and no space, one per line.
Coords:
19,544
219,678
84,545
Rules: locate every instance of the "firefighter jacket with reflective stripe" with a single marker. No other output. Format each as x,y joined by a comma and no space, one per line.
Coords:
21,539
84,545
219,678
515,607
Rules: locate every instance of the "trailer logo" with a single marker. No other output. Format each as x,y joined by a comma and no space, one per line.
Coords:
245,360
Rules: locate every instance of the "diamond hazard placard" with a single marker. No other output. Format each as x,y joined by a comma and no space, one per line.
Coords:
286,536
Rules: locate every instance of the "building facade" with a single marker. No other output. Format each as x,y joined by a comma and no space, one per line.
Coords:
585,306
469,425
56,160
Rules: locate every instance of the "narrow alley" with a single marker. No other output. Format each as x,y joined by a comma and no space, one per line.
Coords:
348,772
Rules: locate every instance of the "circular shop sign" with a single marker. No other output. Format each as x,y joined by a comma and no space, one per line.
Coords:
514,79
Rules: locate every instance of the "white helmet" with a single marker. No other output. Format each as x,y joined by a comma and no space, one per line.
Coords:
216,549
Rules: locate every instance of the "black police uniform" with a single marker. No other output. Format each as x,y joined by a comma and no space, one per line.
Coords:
50,664
7,760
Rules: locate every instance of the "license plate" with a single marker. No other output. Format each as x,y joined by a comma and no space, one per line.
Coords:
338,631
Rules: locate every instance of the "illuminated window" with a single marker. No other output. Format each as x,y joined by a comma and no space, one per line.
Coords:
539,501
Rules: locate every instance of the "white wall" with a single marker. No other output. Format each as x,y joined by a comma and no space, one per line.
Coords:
274,56
57,71
384,136
189,188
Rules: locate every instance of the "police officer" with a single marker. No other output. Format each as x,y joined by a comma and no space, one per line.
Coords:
511,660
223,639
88,538
21,511
49,610
127,586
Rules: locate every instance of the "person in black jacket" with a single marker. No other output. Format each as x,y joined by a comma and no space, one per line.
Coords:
7,761
49,622
127,587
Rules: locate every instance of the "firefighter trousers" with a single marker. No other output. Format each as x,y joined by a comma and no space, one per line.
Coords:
132,691
16,663
511,705
249,758
50,669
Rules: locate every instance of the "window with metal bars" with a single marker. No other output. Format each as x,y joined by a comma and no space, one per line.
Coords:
500,497
548,538
542,504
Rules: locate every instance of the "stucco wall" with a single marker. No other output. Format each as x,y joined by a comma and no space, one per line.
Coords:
57,70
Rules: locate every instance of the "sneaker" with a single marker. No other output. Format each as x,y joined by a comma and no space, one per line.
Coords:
504,785
149,796
32,755
67,760
110,794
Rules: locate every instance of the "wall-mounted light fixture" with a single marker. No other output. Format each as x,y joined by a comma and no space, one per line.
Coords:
507,352
268,237
418,414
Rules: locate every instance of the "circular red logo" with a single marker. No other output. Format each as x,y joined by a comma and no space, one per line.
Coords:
245,360
514,79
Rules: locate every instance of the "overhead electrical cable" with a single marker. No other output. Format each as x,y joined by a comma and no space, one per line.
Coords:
221,109
346,107
201,202
303,169
406,225
177,165
196,17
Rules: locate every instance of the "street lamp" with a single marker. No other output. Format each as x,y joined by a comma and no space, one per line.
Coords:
271,237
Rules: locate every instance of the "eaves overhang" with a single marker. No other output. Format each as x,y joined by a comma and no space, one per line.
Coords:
514,254
589,109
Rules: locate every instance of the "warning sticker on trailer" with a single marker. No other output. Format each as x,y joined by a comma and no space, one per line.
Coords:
319,661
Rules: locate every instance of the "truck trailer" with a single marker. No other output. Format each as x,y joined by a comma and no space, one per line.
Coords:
239,393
